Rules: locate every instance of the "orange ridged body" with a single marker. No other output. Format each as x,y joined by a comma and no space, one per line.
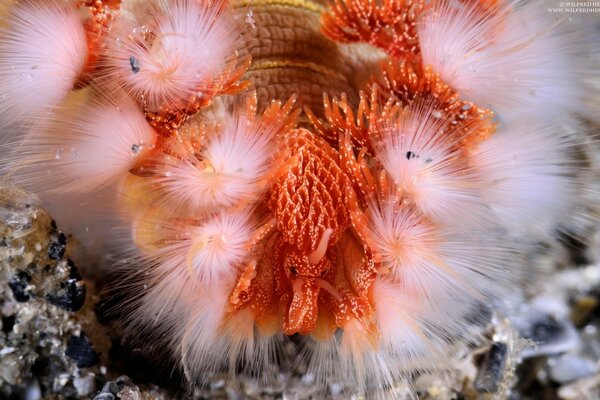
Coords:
308,202
308,197
301,281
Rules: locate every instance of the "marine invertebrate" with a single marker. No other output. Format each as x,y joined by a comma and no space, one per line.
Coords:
34,77
375,234
502,58
176,54
88,144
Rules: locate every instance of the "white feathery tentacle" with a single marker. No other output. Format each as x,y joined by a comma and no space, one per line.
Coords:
418,149
231,169
88,143
172,54
43,51
509,56
529,174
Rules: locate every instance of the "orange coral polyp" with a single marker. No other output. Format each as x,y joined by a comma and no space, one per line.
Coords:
389,25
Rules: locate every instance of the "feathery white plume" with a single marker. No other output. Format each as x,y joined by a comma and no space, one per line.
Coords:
174,54
43,51
509,56
88,143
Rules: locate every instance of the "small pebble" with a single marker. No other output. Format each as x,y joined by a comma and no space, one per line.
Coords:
85,385
7,350
57,248
551,336
492,369
71,295
109,391
80,350
570,368
19,285
33,390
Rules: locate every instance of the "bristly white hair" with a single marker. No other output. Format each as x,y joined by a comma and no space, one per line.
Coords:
43,51
428,259
232,169
512,57
188,312
212,249
88,143
419,149
529,174
177,52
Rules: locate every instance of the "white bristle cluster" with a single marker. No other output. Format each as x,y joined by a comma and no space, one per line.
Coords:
212,250
233,168
43,50
87,144
511,57
401,318
418,149
529,174
420,256
220,245
172,54
236,344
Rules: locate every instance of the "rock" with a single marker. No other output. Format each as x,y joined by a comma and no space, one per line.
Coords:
39,290
124,389
85,385
71,294
546,322
109,392
492,369
58,246
569,368
33,390
80,350
19,285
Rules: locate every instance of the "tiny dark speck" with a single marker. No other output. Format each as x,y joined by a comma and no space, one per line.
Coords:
8,323
56,250
18,284
410,155
135,64
80,350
